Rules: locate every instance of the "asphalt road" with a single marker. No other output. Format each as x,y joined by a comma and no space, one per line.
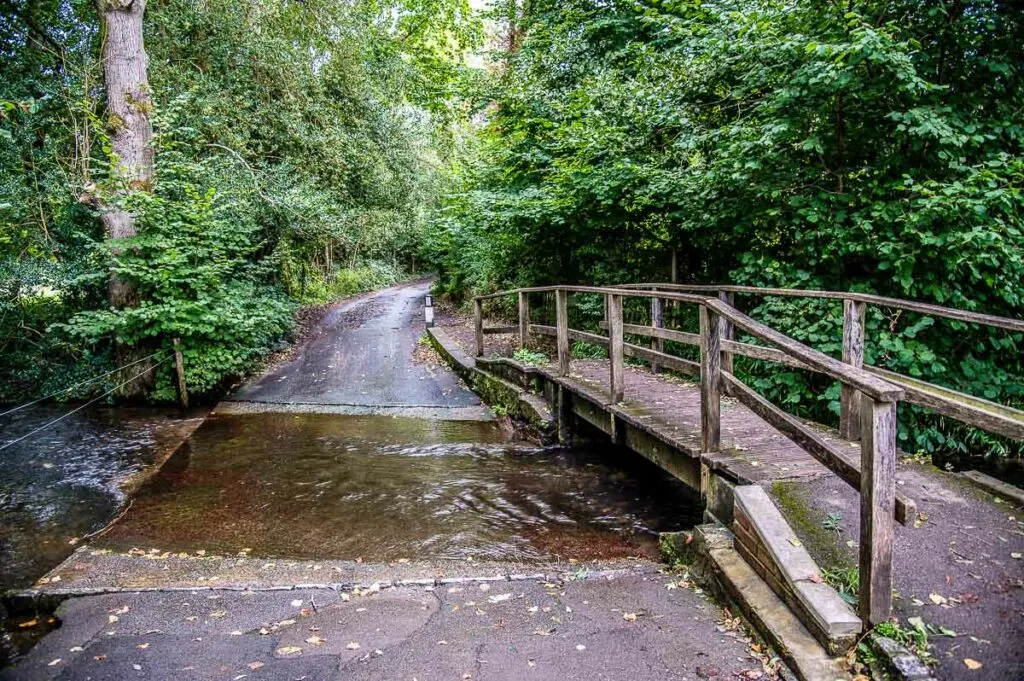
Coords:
626,628
362,359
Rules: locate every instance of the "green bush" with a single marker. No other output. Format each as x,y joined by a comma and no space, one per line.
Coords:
193,277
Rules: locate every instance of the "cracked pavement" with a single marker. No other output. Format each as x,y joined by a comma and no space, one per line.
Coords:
629,626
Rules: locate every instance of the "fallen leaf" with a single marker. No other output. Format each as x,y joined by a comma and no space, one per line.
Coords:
112,618
142,646
629,616
255,665
1015,555
937,599
544,632
236,633
78,649
29,623
972,664
99,658
216,614
353,646
795,542
499,598
581,647
288,650
55,662
315,640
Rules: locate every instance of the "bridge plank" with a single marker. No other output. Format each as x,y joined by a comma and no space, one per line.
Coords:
811,442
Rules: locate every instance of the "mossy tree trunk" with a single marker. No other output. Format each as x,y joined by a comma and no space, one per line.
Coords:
129,106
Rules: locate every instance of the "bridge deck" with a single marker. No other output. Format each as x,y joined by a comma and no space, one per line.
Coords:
752,450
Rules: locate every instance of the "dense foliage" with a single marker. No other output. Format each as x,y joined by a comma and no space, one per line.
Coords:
296,156
872,146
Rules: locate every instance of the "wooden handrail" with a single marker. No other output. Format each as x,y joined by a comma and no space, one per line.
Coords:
857,378
1007,323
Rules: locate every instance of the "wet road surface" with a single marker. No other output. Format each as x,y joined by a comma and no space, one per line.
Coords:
630,627
363,357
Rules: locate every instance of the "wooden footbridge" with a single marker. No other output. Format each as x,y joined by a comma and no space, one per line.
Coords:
745,439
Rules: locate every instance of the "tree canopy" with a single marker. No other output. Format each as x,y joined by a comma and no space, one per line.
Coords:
297,150
869,146
305,150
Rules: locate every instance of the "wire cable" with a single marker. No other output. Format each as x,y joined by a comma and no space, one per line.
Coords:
83,406
77,385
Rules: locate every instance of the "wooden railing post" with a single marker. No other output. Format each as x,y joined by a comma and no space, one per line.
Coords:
478,321
618,389
710,381
524,319
657,322
726,331
877,505
179,375
853,354
562,330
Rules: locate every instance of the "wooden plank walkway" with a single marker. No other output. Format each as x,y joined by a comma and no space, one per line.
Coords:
752,451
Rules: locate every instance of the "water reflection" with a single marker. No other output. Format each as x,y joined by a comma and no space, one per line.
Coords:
382,489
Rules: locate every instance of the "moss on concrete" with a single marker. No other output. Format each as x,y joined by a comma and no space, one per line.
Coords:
823,544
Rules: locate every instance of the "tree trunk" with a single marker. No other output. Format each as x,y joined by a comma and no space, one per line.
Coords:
131,136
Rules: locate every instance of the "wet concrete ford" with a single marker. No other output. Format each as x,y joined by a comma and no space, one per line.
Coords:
359,459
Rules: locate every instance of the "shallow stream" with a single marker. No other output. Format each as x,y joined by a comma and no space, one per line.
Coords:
383,489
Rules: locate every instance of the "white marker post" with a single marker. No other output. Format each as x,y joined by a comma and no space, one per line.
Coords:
428,310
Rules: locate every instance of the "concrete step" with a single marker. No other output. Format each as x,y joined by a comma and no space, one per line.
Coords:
710,552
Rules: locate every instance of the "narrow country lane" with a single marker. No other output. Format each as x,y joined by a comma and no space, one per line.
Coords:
361,360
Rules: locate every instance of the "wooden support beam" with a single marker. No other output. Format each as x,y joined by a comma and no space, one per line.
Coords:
524,319
564,417
710,381
618,377
853,354
478,323
179,375
562,330
877,493
657,322
726,331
